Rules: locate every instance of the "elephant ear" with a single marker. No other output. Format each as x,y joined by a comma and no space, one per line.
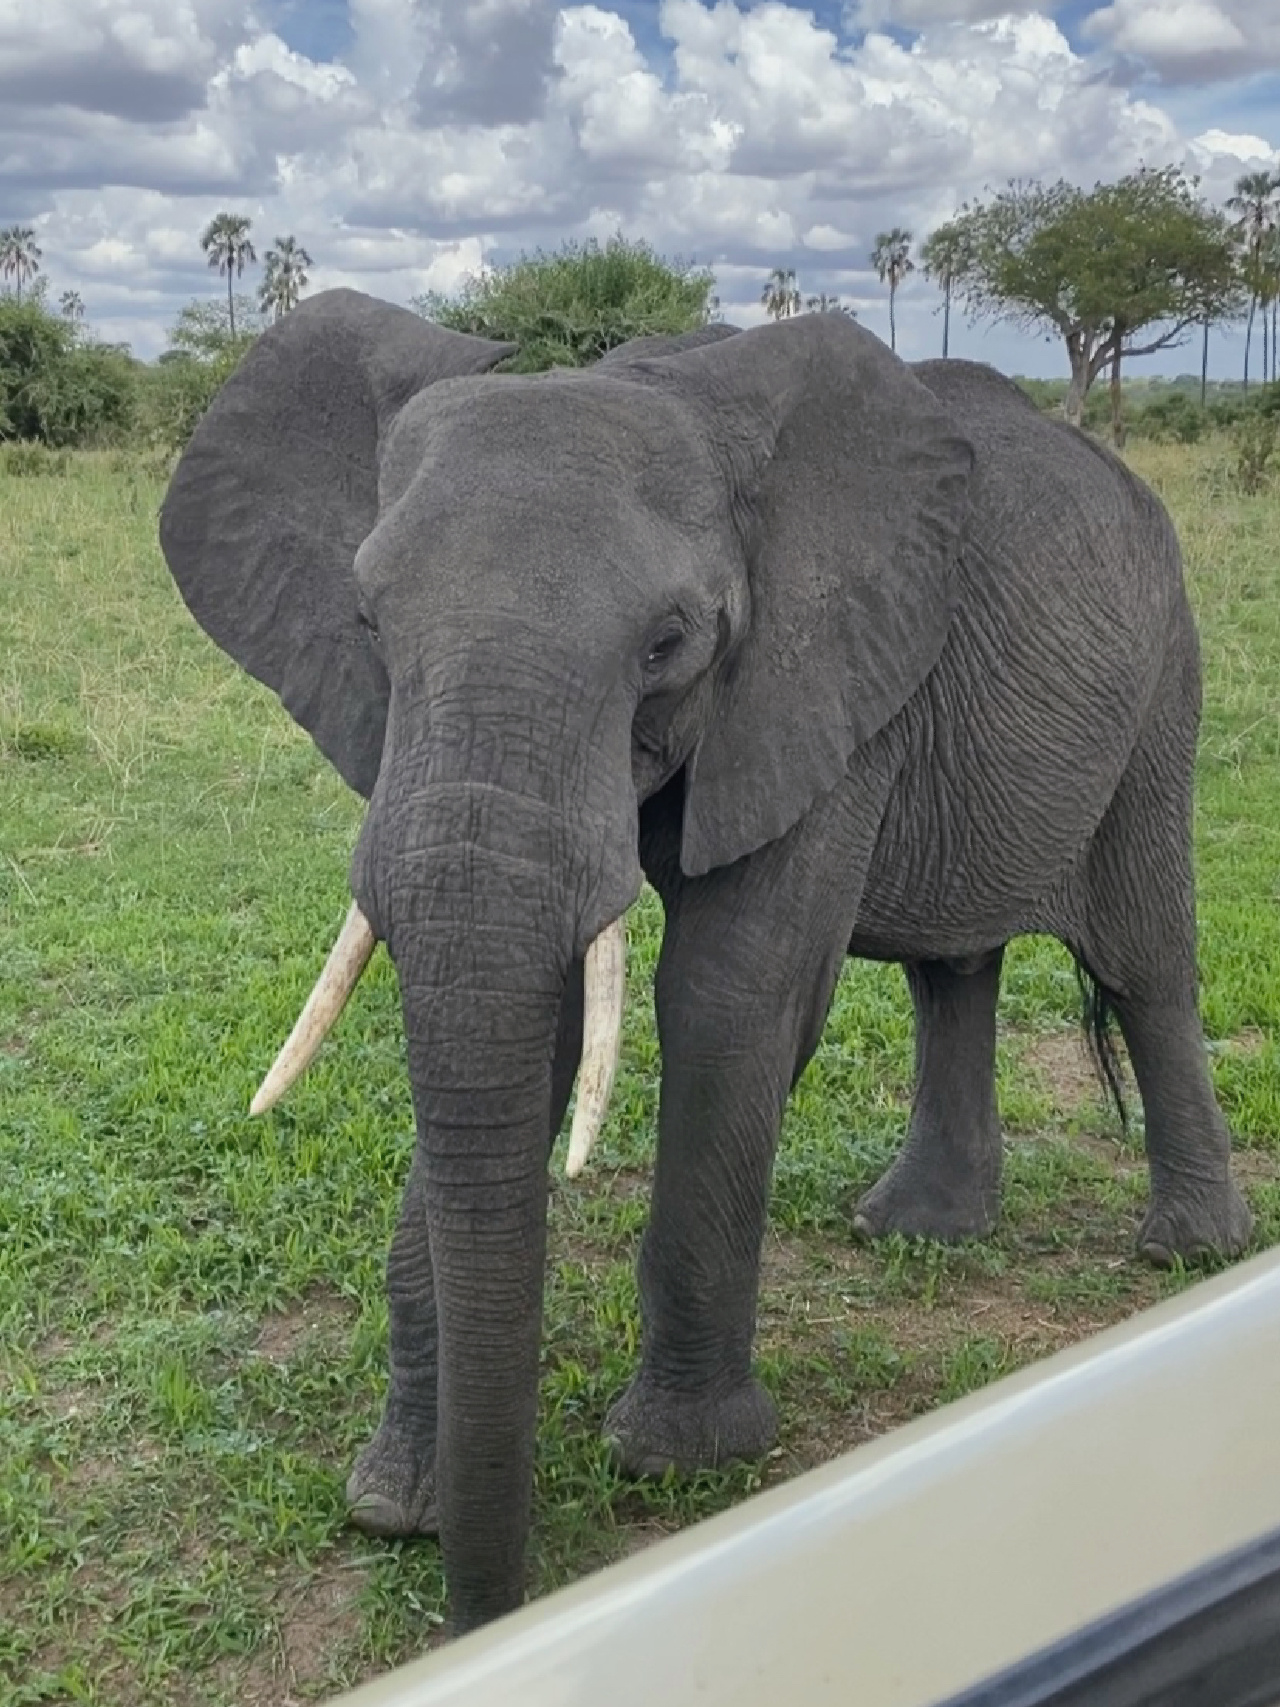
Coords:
278,488
850,489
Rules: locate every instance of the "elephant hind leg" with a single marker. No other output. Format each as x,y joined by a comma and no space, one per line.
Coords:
1140,944
945,1183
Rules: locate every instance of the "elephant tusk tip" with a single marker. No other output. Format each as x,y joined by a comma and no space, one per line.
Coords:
262,1101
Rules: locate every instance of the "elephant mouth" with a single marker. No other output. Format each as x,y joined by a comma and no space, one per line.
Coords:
604,985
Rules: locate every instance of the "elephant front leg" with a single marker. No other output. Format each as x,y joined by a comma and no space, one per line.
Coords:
738,1017
945,1183
391,1489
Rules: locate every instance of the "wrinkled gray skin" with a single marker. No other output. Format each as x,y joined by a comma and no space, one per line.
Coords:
847,657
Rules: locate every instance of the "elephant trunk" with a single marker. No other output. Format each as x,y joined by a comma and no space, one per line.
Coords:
484,894
482,1091
482,969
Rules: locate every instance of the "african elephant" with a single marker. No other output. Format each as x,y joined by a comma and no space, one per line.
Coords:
847,657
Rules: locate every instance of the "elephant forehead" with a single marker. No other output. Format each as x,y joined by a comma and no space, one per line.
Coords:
567,435
566,548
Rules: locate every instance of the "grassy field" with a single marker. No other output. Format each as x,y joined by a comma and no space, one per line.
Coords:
192,1323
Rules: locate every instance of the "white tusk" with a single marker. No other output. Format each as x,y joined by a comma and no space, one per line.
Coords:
604,983
347,960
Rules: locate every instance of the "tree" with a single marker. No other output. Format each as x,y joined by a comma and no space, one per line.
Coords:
57,386
286,277
71,306
1103,267
209,332
226,243
941,260
781,294
19,255
177,388
1254,207
1269,266
568,308
892,261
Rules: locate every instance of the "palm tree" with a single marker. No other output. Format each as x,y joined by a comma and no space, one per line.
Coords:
19,255
892,261
226,242
286,277
781,294
1255,209
943,258
72,305
1269,260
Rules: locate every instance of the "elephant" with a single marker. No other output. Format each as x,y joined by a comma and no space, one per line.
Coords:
845,656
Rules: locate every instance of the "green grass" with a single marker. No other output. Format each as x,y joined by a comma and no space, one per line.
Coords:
192,1323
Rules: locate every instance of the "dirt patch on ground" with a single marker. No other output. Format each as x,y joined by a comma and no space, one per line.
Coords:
72,1402
283,1331
1249,1041
1060,1061
1255,1167
312,1627
319,1622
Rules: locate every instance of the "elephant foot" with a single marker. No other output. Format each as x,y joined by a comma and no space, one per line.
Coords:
391,1490
929,1201
1195,1223
652,1430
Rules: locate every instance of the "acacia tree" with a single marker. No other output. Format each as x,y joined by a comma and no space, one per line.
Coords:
1118,271
19,255
1254,207
225,241
781,294
286,276
942,260
892,261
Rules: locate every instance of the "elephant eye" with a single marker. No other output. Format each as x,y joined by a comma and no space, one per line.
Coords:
366,620
663,647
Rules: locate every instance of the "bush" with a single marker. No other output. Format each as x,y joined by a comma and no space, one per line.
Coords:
567,309
1254,440
1173,417
56,387
31,459
177,389
1048,395
173,395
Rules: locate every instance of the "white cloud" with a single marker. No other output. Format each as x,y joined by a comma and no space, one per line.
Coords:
450,134
919,14
1191,40
148,60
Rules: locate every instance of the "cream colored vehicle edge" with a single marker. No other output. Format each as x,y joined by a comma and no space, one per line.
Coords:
933,1557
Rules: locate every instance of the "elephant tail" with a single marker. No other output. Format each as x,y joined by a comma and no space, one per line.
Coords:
1097,1017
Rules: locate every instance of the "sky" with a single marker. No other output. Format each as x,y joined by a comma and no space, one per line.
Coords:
406,143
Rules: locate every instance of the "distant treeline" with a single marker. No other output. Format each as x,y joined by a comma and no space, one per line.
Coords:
62,387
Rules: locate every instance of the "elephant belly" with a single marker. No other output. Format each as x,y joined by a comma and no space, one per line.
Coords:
1005,774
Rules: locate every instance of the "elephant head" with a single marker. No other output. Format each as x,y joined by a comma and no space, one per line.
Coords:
508,609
